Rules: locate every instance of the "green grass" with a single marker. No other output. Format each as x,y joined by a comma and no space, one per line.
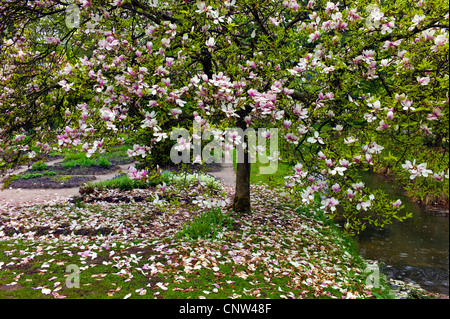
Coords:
85,161
274,180
212,243
36,175
116,154
120,269
123,182
208,225
40,276
74,157
39,166
277,179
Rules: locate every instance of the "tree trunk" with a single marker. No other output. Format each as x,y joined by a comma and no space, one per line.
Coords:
241,202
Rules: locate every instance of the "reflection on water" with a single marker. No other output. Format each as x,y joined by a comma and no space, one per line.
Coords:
414,250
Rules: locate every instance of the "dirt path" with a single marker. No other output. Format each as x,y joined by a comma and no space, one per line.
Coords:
226,174
25,197
28,197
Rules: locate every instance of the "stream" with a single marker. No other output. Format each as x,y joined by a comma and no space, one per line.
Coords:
415,250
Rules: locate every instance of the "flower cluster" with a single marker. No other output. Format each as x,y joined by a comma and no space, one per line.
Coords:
134,174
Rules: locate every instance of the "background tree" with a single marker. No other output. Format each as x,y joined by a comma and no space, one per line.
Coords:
345,82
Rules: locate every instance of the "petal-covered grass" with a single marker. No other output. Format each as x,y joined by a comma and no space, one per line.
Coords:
133,250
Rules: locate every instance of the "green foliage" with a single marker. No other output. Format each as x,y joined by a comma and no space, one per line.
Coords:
39,166
273,180
103,162
332,72
425,189
36,175
185,179
86,162
123,182
208,224
160,154
117,155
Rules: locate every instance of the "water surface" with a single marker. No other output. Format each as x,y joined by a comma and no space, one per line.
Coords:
415,250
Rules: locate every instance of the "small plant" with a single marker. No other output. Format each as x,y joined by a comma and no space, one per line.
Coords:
103,162
86,162
30,175
185,179
63,179
39,166
78,202
36,175
87,188
123,182
207,225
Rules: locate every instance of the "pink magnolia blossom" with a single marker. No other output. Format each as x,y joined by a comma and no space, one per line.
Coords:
344,162
350,193
53,40
439,176
390,114
336,188
165,42
329,162
337,170
358,186
286,124
134,174
314,36
424,80
397,203
350,140
330,203
316,138
292,138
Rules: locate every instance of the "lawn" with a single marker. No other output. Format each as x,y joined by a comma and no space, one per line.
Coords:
157,248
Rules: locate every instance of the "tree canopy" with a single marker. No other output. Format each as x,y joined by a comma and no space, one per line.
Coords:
351,85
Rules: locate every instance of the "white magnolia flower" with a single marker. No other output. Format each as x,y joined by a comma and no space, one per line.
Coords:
424,80
210,42
315,138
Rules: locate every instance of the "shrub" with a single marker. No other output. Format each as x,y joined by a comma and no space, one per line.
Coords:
36,175
103,162
39,166
86,162
123,182
184,179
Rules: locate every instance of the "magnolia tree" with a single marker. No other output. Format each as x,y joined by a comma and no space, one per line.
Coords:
349,85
